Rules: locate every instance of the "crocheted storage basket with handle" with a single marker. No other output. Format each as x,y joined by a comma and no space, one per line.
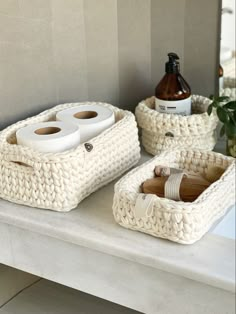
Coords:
183,222
162,132
59,181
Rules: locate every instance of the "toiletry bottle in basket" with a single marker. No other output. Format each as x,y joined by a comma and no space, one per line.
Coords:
173,94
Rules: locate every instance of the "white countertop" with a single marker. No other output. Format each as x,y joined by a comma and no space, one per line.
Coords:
211,260
226,227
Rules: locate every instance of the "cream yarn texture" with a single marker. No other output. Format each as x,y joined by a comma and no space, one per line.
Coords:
182,222
163,132
59,181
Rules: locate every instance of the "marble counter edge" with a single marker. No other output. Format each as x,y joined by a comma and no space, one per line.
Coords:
187,271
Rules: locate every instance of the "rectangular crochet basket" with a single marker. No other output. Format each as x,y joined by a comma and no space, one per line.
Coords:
183,222
60,181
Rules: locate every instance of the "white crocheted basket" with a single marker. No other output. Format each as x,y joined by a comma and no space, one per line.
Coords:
163,132
183,222
60,181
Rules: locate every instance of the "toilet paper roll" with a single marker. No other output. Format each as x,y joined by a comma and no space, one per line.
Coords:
91,119
49,137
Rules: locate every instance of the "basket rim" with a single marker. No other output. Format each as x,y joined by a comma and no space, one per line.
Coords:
143,104
7,149
186,207
159,123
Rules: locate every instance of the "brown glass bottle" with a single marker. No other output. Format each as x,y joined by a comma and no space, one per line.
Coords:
173,94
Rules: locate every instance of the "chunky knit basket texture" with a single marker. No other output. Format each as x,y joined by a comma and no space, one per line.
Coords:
183,222
163,132
60,181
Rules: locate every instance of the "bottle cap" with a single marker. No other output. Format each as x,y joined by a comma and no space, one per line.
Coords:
172,66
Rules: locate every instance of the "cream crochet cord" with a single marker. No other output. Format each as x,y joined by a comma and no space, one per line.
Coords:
60,181
163,132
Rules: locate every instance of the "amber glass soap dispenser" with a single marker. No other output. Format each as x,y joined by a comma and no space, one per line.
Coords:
173,94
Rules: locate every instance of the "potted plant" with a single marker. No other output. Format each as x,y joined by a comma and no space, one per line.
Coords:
226,112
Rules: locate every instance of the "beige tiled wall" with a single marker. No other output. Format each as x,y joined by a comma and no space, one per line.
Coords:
54,51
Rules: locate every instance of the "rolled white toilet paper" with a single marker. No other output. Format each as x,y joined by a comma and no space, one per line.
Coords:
49,137
91,119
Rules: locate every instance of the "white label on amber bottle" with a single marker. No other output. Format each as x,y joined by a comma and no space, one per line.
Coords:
182,107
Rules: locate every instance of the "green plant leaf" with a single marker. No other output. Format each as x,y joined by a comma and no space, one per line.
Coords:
211,97
222,130
222,115
230,105
230,129
209,109
222,98
215,104
231,116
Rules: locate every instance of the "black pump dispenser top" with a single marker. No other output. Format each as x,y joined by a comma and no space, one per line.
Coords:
172,66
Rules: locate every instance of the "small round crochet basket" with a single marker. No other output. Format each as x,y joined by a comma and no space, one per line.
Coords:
163,132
